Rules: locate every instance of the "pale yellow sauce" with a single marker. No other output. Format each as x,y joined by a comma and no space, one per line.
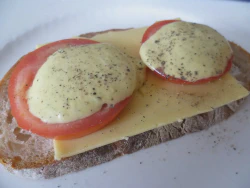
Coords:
187,51
76,81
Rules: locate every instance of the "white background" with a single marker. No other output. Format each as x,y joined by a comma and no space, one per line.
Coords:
218,157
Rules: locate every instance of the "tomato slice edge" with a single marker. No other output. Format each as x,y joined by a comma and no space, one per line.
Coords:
155,27
201,81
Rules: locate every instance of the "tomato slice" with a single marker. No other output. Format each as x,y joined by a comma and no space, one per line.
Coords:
22,78
152,30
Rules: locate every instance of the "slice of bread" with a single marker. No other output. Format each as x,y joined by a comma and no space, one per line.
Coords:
30,155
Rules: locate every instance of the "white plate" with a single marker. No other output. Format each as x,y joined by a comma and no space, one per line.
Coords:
218,157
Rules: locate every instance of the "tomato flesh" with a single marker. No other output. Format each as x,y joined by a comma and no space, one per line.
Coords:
21,80
159,72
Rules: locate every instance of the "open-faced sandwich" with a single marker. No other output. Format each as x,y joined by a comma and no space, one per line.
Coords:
80,102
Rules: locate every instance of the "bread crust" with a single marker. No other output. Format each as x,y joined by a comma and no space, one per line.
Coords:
46,167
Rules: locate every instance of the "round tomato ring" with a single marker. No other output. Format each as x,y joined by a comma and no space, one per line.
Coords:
22,78
152,30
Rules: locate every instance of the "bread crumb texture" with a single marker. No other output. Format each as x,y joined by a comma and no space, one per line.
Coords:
20,148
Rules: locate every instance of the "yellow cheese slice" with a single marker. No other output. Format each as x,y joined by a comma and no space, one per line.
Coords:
156,104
